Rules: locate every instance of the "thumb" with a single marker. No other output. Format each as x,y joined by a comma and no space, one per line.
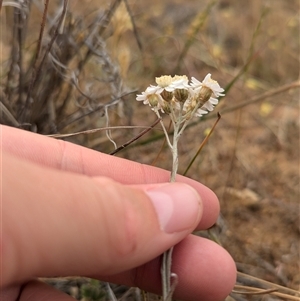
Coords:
60,223
142,222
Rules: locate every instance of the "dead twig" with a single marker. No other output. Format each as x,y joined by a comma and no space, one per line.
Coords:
43,23
37,69
202,145
249,290
268,94
99,130
135,32
136,137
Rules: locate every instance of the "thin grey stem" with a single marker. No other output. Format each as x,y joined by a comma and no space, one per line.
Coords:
165,131
175,154
187,121
176,135
166,273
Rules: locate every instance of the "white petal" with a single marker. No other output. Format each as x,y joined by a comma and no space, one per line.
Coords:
141,97
207,79
195,83
208,106
200,112
152,89
214,101
180,84
170,88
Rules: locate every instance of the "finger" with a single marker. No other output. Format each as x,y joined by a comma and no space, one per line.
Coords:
60,223
70,157
36,291
205,272
10,293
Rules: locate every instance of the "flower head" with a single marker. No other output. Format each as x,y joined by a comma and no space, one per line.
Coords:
208,83
180,87
204,91
175,94
180,82
164,81
151,97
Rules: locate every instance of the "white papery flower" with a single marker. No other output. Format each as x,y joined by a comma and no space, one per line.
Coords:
206,88
151,97
164,81
209,83
208,106
179,82
189,106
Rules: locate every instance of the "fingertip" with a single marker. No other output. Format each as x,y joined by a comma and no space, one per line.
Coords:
225,273
210,203
205,273
211,208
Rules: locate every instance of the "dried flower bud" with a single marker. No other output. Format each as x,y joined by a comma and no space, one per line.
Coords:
153,100
166,108
204,95
181,94
166,95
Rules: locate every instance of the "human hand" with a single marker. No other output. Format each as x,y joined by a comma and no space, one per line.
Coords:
68,210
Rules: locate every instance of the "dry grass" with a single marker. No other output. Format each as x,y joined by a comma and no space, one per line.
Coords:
88,77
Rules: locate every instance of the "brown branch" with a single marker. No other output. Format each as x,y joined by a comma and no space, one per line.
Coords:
136,137
20,37
37,69
252,290
202,145
255,281
14,58
106,19
43,23
135,31
267,94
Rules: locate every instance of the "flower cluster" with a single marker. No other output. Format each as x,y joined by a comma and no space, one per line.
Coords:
176,94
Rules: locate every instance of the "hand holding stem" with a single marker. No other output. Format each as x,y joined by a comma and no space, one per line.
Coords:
180,100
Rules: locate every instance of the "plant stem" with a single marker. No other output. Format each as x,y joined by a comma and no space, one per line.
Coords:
175,155
166,273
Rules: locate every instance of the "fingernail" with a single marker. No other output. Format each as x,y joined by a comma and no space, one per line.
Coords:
178,206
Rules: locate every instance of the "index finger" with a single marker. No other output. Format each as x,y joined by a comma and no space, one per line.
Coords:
67,156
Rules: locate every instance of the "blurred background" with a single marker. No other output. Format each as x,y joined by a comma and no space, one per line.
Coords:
74,66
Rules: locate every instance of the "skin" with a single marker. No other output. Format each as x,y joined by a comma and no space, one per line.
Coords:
67,210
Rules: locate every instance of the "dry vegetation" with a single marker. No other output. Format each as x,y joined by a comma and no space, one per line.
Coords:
84,72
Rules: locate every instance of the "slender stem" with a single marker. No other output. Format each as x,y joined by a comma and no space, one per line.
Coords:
177,120
166,275
166,134
175,154
187,121
165,130
167,287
